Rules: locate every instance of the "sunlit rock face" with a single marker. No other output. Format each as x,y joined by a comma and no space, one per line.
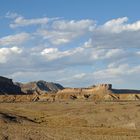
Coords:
105,86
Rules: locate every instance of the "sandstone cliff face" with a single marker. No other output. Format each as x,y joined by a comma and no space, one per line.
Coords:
104,86
96,92
101,92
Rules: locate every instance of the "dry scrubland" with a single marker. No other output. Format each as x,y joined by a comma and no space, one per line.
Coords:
70,120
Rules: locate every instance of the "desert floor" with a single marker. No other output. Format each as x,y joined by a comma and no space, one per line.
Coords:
70,120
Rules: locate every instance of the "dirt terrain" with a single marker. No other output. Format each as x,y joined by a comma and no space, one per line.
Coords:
48,111
70,120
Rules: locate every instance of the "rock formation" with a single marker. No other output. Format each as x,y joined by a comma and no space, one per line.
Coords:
40,87
48,91
100,92
105,86
8,87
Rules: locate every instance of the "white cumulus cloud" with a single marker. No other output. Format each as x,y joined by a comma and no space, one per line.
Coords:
64,31
85,51
14,39
120,24
7,53
54,53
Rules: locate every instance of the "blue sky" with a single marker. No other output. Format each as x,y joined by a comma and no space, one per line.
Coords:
101,10
73,42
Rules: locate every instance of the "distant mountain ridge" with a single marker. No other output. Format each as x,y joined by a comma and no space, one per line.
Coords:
40,87
8,87
49,91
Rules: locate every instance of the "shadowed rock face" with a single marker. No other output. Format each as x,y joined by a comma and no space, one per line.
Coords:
40,87
8,87
49,86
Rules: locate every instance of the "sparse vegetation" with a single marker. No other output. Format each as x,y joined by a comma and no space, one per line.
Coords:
71,120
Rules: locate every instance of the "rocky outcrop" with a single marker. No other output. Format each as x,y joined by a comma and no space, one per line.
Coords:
8,87
101,92
40,87
93,92
48,91
105,86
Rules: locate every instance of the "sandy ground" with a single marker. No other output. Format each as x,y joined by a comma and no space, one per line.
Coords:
70,120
